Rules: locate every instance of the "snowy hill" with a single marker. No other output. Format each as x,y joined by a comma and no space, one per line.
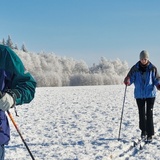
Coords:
80,123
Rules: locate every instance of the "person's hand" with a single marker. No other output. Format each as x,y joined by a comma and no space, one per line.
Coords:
6,102
127,81
158,86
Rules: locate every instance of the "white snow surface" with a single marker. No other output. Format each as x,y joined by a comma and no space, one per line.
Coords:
81,123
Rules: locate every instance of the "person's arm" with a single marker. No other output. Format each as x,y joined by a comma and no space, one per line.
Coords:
22,83
156,78
129,79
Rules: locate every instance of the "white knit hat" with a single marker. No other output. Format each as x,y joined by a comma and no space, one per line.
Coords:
144,55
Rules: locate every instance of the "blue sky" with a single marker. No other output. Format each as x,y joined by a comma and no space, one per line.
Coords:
85,29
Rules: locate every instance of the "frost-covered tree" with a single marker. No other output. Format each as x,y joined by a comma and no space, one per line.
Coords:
23,48
51,70
81,67
16,47
3,41
9,42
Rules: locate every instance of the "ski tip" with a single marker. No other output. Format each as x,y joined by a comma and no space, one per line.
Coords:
140,147
134,143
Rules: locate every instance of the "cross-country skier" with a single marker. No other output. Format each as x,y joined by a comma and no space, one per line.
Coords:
146,79
17,86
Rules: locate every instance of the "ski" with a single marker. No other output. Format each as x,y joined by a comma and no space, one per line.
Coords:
134,146
144,143
152,141
126,151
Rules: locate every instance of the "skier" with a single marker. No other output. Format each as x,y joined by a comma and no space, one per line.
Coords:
146,79
17,86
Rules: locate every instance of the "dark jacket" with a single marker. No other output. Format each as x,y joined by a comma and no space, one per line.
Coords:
15,80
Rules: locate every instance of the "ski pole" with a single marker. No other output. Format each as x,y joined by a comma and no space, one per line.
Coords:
14,123
122,112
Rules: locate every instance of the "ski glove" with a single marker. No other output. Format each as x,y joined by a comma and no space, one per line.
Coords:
158,86
127,81
6,102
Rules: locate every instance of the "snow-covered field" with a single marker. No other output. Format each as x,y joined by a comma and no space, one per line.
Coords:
81,123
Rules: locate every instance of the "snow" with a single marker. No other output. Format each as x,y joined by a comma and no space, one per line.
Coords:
81,123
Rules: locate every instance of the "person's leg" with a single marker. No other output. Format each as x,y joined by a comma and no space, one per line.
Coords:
150,125
142,115
2,152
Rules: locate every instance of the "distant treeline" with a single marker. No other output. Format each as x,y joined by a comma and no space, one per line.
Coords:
10,44
51,70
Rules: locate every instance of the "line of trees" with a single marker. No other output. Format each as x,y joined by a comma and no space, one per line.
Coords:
51,70
9,43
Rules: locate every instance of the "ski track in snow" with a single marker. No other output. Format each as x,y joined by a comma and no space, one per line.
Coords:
81,123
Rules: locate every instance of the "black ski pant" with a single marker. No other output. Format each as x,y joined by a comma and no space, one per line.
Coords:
145,108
